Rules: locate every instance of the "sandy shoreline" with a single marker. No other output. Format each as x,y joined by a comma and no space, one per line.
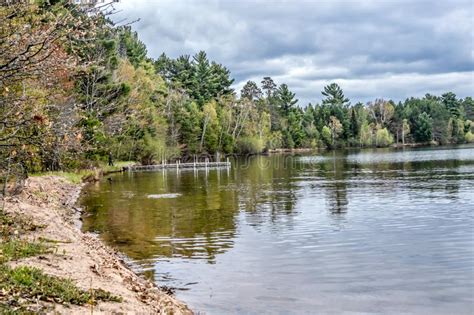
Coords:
49,202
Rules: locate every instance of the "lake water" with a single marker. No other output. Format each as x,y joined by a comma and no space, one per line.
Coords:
366,231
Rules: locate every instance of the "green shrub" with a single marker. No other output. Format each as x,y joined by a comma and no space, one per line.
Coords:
469,137
250,145
384,138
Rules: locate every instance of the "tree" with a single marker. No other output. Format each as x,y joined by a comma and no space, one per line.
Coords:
268,86
452,104
326,134
189,119
163,66
286,99
130,46
295,128
354,124
383,137
423,128
468,105
251,91
182,74
365,135
201,80
334,95
405,130
336,128
37,67
209,122
381,111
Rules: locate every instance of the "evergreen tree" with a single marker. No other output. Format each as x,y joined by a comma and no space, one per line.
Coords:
354,124
423,128
334,95
268,86
163,66
131,47
251,91
452,104
286,99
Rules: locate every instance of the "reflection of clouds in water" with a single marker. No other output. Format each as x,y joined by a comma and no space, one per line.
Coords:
412,156
160,196
314,159
372,156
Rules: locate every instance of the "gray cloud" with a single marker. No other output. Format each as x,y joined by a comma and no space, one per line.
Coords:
374,48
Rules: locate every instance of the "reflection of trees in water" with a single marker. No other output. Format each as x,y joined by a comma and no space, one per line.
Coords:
267,189
199,223
436,177
335,169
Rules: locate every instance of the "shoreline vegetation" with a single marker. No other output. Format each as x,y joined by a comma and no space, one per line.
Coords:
77,90
48,265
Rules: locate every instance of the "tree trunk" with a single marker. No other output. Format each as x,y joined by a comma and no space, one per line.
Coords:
206,121
403,135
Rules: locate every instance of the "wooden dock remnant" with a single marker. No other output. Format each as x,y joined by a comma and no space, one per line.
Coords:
178,165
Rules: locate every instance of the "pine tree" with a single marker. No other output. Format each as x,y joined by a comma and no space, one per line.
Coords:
334,95
286,99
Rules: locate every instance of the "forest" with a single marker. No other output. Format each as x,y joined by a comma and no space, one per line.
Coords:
75,88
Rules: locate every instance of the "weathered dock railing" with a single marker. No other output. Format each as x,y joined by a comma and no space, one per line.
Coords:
178,165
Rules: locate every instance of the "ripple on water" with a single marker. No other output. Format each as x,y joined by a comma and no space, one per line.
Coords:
377,231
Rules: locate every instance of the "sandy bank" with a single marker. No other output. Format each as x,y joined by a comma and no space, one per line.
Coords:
49,202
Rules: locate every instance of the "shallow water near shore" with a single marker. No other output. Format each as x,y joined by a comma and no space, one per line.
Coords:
364,231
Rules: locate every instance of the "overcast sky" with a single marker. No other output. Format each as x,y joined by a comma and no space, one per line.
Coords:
382,48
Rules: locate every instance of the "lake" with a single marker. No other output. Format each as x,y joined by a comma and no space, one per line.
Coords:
351,231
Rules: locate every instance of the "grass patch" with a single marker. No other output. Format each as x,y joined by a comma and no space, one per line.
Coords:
10,225
117,166
14,249
76,177
26,284
49,240
72,177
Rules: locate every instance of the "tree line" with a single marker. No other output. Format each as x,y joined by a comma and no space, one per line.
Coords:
76,88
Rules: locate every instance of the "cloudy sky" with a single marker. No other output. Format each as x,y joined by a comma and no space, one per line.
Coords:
375,48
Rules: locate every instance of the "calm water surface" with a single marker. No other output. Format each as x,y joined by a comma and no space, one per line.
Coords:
370,231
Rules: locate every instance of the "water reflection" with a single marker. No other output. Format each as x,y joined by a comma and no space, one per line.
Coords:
197,216
395,225
198,222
